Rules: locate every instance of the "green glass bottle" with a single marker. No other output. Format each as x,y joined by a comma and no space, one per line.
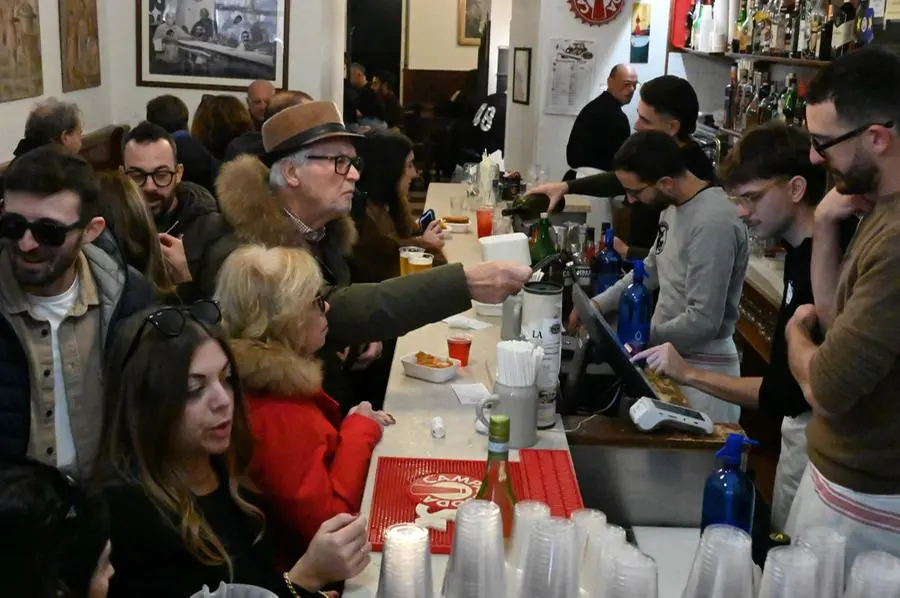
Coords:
543,243
496,486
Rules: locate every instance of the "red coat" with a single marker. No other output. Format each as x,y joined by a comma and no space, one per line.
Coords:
309,465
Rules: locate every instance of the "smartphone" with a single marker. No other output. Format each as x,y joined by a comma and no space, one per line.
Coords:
425,219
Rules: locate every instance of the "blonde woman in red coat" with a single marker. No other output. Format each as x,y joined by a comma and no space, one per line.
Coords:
308,463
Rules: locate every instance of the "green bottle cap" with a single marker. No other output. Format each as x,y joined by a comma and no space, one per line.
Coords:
499,428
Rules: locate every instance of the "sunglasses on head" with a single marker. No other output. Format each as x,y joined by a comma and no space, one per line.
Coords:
171,321
46,232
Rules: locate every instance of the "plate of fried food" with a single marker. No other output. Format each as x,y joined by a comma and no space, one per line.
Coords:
430,368
456,224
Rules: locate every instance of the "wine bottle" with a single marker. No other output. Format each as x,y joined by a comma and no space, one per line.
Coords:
529,207
496,486
731,92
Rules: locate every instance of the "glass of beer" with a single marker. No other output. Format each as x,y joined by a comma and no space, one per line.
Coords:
404,258
458,347
419,262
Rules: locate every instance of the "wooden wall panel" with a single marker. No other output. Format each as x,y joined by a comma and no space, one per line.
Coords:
430,87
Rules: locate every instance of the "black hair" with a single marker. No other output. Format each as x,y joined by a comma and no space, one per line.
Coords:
147,132
284,100
675,98
387,78
864,86
169,112
773,151
51,169
650,155
52,533
384,154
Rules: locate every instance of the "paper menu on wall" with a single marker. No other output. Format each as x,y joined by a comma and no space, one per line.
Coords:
570,81
877,7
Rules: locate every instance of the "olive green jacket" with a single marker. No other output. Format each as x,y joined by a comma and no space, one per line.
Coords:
360,313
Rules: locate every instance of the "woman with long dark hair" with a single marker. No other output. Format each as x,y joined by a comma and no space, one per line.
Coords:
174,450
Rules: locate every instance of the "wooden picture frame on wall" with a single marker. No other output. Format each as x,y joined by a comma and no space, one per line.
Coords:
470,20
79,44
521,76
211,44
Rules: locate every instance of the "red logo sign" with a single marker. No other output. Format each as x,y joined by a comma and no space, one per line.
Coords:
443,490
596,12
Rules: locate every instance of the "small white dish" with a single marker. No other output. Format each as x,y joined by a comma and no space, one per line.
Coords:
494,310
435,375
458,228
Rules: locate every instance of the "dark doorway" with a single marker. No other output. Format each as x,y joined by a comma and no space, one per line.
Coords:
374,32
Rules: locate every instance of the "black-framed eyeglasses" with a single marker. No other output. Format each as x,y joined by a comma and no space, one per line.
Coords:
634,193
171,321
342,163
822,146
45,232
161,178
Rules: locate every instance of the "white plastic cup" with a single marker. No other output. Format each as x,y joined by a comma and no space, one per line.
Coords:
406,563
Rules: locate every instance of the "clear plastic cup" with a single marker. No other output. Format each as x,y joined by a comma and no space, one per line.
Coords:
631,574
723,565
602,545
526,515
586,520
459,346
484,221
405,252
550,562
874,575
476,568
419,262
831,549
406,563
790,572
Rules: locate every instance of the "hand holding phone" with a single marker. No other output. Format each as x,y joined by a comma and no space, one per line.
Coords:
425,219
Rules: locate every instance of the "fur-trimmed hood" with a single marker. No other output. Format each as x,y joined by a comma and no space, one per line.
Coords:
272,368
250,206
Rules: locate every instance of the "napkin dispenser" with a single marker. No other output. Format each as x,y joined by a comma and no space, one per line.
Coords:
512,247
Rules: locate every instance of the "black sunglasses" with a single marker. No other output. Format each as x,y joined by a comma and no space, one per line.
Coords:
171,321
45,232
821,146
342,163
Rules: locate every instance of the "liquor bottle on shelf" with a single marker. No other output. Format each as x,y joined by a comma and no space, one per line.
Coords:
751,116
695,25
737,29
497,483
800,30
788,11
768,104
865,17
823,50
762,29
747,24
746,96
843,37
689,27
800,113
788,101
607,266
731,93
777,28
815,22
590,244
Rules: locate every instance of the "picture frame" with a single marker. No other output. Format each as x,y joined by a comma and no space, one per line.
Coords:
21,65
79,44
521,79
211,44
471,17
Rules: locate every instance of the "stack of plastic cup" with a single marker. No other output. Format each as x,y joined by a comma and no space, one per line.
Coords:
476,568
550,565
790,572
830,547
527,514
874,575
585,521
723,565
630,574
406,563
602,545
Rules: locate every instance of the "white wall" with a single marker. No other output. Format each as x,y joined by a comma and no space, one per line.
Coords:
501,16
546,143
432,40
95,103
317,37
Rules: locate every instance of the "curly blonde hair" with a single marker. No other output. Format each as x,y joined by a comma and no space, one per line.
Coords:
265,293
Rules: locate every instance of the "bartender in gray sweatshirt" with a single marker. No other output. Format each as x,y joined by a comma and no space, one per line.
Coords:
698,261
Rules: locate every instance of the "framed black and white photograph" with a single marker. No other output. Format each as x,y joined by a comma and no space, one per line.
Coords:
212,44
521,88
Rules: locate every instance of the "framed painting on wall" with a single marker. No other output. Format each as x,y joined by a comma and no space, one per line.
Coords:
79,44
472,14
212,44
521,91
21,68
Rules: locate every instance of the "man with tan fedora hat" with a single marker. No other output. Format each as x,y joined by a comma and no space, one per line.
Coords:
300,194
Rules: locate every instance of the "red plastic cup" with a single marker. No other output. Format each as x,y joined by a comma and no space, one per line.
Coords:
458,347
484,220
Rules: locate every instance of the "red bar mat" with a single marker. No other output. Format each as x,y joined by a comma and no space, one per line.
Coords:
409,488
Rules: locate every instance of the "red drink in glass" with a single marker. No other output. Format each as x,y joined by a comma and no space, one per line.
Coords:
484,220
458,346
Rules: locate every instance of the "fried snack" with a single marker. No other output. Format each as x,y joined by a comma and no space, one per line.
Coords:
430,361
456,219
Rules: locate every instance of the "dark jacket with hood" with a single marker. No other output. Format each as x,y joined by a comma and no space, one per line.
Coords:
206,235
360,313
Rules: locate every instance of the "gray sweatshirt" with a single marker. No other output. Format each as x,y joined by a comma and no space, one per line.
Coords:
698,262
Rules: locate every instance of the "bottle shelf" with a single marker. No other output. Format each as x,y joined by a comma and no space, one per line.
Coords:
733,56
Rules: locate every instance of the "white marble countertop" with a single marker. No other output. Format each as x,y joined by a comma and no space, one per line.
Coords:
766,275
414,403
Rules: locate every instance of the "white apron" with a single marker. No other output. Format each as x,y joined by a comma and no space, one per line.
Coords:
791,464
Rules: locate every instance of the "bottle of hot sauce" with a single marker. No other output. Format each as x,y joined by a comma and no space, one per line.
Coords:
496,486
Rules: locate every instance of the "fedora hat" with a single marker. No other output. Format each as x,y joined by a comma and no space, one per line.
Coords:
297,127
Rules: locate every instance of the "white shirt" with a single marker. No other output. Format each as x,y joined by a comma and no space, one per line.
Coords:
54,310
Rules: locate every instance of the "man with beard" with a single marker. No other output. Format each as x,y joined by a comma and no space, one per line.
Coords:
61,298
850,379
698,262
195,239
